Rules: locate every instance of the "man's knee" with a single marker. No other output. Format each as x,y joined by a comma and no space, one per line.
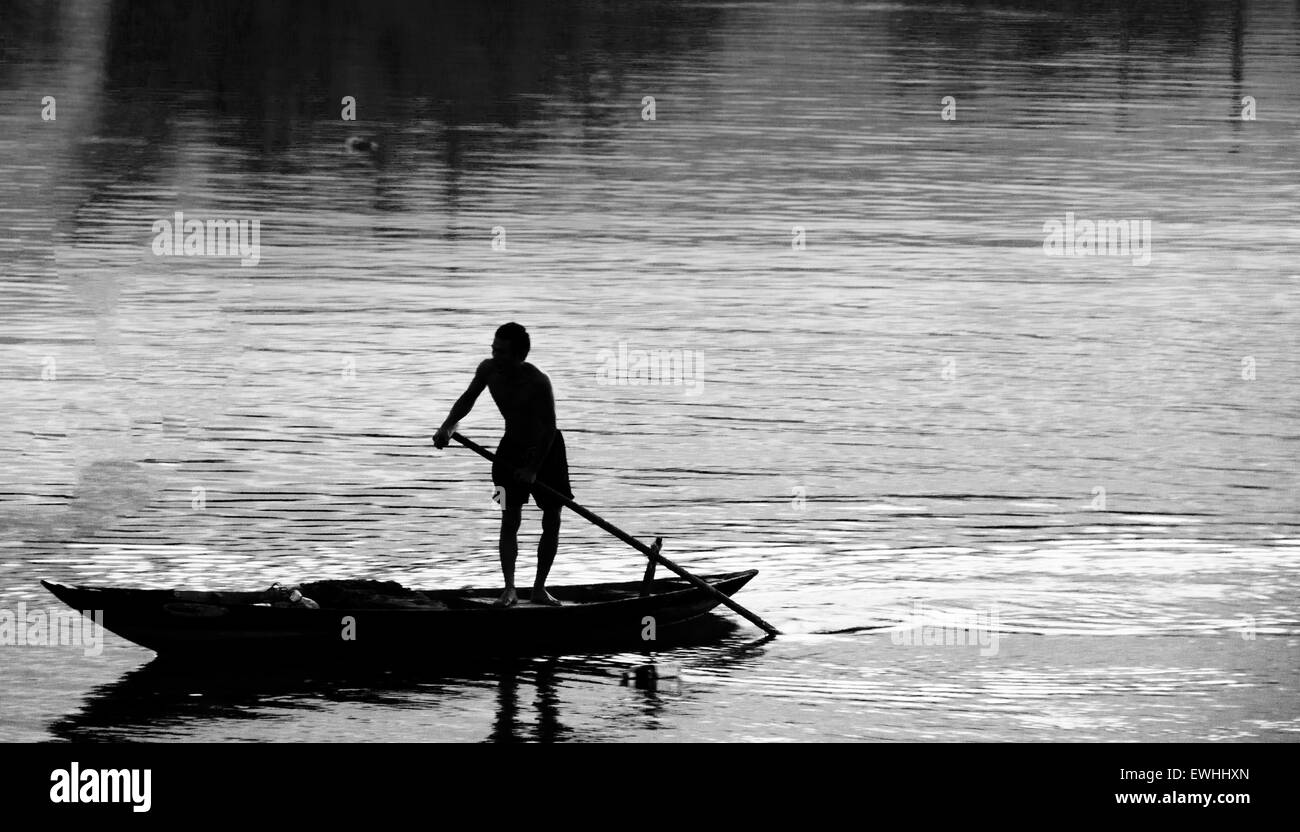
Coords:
510,516
551,520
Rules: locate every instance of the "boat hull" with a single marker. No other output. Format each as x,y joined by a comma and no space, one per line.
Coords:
204,626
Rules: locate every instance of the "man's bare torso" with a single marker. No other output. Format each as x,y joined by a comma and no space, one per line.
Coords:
523,395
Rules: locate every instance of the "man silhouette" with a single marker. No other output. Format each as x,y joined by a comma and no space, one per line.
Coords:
531,452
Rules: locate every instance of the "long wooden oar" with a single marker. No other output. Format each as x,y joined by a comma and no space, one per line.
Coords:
648,551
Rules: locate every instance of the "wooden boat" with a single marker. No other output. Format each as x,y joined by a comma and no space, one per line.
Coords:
384,619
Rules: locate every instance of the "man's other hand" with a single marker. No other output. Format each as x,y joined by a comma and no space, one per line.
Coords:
441,438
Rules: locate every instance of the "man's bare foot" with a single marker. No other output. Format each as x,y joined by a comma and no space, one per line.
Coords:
541,596
508,598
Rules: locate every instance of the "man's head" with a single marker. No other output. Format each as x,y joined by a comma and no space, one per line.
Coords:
511,343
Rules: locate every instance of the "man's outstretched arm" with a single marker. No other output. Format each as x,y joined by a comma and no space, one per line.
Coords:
462,407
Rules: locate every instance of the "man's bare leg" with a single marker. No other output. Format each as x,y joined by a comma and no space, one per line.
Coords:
509,545
546,548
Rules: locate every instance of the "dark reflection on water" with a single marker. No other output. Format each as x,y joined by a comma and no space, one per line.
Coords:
526,696
265,75
167,699
507,726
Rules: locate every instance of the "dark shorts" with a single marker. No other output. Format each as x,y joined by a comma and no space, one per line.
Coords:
554,471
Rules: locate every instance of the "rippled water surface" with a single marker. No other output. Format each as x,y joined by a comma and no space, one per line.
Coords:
915,420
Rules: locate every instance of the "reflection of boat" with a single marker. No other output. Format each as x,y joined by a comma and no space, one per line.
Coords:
363,619
167,699
505,698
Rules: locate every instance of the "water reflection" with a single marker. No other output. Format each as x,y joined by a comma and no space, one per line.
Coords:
259,80
169,699
528,696
508,727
